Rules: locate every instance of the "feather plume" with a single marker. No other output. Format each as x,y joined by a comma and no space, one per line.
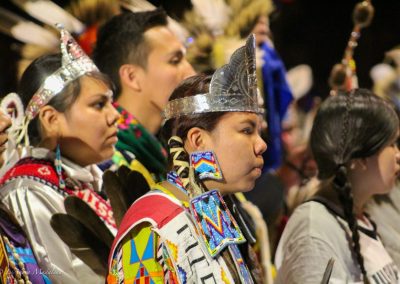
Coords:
142,5
80,210
94,12
83,242
123,188
137,5
26,31
247,15
215,14
217,26
49,13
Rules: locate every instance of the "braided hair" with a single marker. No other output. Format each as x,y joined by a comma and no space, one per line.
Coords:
373,123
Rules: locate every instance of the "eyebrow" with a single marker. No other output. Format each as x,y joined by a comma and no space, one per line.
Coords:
180,51
249,121
108,94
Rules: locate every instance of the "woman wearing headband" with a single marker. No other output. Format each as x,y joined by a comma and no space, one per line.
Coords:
71,125
354,142
182,231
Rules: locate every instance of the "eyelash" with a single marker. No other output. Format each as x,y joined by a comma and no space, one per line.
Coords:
248,130
100,104
176,60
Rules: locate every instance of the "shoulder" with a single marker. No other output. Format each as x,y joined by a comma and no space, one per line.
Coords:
155,209
35,169
312,227
312,221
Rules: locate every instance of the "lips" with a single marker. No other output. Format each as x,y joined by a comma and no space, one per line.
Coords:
260,165
258,168
113,137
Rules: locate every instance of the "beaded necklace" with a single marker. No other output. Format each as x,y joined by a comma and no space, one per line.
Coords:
20,272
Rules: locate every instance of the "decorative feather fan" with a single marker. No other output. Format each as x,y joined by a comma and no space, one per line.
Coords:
123,188
26,31
142,5
81,18
49,13
215,29
83,242
40,40
214,13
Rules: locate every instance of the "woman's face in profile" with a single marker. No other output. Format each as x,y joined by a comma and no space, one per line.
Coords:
238,147
383,168
88,129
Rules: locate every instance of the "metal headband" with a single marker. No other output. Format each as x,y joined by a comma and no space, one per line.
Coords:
75,63
233,87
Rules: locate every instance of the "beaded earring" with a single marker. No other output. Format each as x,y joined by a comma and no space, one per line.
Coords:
58,165
206,165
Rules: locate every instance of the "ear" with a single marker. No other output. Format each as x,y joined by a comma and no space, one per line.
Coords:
360,164
50,121
197,139
130,76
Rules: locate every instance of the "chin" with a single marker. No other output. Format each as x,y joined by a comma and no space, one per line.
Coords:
247,187
107,154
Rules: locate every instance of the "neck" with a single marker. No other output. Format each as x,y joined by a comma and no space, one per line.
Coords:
359,200
144,111
48,143
361,192
212,184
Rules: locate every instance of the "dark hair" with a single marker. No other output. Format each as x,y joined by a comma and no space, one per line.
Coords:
35,75
347,126
121,40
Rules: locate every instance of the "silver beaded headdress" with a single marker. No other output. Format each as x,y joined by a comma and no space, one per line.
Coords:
233,87
75,63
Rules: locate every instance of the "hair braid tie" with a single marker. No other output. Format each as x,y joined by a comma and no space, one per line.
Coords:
180,159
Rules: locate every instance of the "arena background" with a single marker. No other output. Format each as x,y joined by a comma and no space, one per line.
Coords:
314,32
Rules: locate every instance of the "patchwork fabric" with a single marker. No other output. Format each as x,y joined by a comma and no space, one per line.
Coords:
165,246
138,258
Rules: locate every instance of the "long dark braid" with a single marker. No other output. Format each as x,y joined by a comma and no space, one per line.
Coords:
349,126
343,189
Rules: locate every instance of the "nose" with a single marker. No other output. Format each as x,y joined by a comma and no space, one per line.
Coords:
112,116
397,156
260,146
187,70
